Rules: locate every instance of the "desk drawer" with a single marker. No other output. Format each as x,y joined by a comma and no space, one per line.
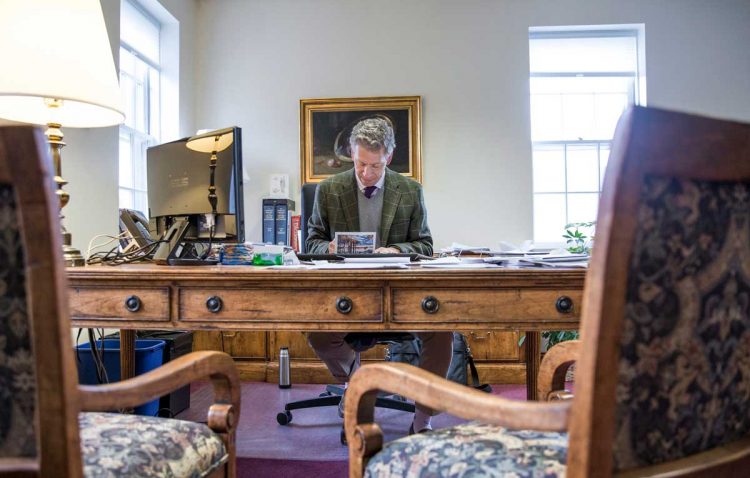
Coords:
114,303
482,305
281,305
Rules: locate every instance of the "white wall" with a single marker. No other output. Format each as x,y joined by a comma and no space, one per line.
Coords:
469,62
90,158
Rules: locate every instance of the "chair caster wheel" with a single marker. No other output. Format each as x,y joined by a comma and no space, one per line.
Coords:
284,418
343,437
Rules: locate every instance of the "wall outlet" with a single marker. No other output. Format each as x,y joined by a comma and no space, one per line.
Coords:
279,187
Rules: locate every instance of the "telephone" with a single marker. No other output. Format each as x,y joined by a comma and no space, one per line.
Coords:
135,224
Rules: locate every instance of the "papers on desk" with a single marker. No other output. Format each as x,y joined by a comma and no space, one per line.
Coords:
358,265
470,265
378,260
453,262
504,249
459,248
558,263
564,261
325,265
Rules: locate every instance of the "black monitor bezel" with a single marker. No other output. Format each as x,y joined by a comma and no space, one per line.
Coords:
237,170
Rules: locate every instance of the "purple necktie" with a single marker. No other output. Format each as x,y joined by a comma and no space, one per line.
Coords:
369,190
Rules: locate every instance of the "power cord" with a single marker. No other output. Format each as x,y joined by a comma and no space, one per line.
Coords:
111,239
115,257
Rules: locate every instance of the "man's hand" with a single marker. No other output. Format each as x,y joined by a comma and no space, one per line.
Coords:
387,250
332,247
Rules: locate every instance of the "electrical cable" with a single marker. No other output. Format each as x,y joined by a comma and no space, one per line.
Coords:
116,257
97,357
112,238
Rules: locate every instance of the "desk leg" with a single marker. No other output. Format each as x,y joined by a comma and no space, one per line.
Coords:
533,353
127,354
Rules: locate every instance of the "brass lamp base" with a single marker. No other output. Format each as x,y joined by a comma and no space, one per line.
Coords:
54,135
71,255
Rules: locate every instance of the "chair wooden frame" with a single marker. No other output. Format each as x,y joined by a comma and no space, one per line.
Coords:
25,163
648,141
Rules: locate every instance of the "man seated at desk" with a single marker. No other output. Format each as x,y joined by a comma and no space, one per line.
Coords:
370,197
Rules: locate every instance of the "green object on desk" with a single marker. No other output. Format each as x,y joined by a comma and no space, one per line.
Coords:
268,259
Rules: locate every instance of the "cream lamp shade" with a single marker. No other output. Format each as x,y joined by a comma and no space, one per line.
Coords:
211,141
57,50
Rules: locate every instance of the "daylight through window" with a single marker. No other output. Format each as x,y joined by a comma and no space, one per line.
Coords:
580,83
139,84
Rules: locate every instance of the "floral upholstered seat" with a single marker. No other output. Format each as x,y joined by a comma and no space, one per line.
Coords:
473,449
131,445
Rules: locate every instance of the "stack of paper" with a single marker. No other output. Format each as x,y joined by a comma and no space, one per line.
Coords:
557,261
454,262
357,265
378,260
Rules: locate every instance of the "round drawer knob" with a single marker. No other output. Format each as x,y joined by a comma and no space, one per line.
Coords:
430,304
214,304
564,304
344,304
133,303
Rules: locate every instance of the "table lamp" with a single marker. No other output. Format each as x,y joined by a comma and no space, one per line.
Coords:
58,71
212,142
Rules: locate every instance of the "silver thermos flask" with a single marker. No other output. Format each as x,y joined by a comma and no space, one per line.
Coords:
284,373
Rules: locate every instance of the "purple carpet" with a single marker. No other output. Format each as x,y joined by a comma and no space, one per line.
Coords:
265,468
309,446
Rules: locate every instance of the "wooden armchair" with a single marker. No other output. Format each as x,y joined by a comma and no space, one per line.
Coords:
43,430
554,369
663,366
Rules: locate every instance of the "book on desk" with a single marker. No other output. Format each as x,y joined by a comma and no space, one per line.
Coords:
277,214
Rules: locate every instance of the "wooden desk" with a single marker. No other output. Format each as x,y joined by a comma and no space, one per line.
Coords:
146,296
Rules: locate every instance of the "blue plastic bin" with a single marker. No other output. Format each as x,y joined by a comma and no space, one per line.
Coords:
149,354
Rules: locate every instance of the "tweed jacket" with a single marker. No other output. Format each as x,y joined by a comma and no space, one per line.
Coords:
403,222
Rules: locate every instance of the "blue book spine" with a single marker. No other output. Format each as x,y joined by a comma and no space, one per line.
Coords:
269,225
282,217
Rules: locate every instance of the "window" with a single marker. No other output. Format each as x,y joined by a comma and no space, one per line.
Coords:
139,83
580,83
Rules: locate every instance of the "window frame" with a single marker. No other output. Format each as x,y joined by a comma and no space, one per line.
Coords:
636,95
140,140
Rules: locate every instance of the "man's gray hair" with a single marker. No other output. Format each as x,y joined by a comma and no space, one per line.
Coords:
374,134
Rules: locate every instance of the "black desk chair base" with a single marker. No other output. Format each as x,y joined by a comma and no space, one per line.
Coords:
332,397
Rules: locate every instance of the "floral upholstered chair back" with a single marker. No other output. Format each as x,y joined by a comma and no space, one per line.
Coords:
38,394
17,376
683,376
684,381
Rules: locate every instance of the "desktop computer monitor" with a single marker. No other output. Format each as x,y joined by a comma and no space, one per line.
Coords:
178,189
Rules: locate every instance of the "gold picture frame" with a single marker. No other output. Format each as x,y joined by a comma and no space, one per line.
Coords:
324,127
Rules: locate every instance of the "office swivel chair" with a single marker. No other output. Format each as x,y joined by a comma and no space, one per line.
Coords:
359,341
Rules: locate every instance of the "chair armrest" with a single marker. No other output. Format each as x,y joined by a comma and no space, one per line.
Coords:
554,366
443,395
217,366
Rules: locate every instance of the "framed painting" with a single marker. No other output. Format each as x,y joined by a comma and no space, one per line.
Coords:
326,124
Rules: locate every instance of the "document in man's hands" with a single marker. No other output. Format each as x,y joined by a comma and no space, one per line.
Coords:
355,242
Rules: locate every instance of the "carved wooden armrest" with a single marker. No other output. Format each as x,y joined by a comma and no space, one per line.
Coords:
365,437
554,367
218,366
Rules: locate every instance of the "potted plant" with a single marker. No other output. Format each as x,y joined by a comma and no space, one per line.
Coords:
579,237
